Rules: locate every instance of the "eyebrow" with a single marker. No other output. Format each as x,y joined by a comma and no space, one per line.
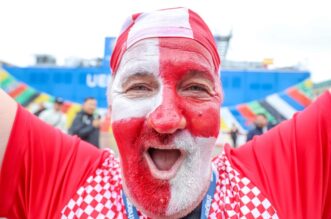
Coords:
200,74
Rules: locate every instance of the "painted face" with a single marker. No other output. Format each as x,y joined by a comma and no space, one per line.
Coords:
165,101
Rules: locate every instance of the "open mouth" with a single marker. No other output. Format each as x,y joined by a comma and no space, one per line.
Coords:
164,163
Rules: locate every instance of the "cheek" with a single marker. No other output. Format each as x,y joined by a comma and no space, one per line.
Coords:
126,133
130,135
203,119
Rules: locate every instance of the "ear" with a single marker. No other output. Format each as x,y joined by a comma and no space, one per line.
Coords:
219,89
109,110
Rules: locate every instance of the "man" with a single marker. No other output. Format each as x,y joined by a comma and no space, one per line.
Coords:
54,116
261,126
165,98
86,124
234,132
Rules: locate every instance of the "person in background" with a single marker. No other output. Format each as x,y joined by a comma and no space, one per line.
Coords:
86,123
234,132
261,126
41,108
54,116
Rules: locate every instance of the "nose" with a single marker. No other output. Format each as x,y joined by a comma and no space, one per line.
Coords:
166,119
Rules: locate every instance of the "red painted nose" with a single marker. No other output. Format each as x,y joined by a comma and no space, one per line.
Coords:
166,119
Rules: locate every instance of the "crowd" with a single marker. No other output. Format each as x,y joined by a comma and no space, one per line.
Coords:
86,124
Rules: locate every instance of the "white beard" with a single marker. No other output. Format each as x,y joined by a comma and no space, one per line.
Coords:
191,182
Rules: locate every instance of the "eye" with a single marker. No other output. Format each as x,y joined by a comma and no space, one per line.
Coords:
196,91
139,90
196,88
139,87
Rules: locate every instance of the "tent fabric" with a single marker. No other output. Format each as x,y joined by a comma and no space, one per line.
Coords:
277,107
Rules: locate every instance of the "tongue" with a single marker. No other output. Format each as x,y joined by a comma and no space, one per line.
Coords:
164,159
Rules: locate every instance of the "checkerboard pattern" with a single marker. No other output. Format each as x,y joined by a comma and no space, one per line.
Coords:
236,196
100,197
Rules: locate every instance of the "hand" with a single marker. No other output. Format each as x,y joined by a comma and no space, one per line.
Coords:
96,123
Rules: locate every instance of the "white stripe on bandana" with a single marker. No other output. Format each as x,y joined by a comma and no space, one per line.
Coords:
165,23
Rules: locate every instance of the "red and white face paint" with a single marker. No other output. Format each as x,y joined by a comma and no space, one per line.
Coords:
165,101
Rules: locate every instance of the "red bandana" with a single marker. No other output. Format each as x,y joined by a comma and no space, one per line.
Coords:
174,22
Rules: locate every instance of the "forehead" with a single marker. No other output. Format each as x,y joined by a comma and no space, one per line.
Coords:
90,101
260,117
153,55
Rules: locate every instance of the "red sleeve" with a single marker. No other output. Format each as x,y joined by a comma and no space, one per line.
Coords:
42,169
291,164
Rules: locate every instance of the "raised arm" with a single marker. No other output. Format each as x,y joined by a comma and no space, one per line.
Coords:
8,109
291,162
41,167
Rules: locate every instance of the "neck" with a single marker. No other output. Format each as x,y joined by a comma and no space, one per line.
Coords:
184,213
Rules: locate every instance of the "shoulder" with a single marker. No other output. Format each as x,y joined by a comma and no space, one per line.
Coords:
63,115
109,167
79,116
220,162
270,126
101,191
251,132
237,195
80,113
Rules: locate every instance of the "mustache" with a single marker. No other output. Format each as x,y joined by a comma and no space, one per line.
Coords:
181,139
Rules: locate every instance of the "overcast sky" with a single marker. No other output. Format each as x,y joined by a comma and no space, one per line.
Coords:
290,32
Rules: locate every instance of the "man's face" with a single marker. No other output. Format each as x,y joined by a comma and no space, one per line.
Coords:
58,106
90,106
261,121
165,116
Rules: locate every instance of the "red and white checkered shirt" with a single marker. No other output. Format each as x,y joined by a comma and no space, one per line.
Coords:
235,196
289,166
